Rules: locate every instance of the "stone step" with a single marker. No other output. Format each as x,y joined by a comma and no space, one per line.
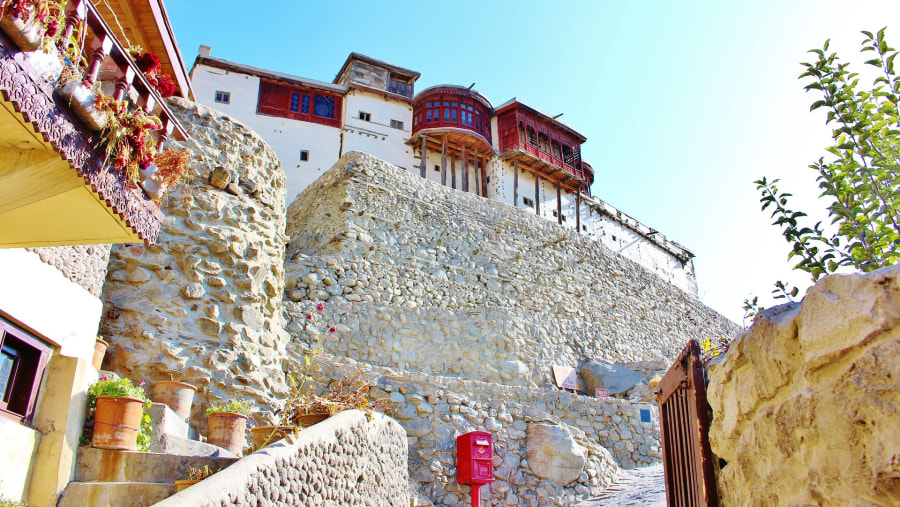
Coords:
164,421
101,465
102,494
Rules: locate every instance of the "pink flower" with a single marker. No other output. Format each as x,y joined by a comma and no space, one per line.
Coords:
308,316
103,378
320,307
332,329
143,383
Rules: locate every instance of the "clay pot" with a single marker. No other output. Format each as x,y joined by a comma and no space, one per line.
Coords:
27,35
177,395
265,435
227,430
307,420
184,484
100,347
117,421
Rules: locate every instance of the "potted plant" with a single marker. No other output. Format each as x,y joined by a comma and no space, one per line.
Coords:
226,425
195,475
31,22
119,417
100,347
179,396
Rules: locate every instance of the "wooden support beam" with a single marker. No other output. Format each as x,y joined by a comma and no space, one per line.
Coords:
537,195
515,183
578,210
444,160
477,176
453,172
465,169
483,175
558,204
423,167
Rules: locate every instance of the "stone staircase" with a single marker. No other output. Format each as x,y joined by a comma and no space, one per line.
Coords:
113,478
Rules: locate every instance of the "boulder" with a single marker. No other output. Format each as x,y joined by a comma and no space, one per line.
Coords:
615,378
553,453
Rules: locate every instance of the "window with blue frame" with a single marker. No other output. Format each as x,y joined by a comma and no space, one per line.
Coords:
305,105
323,106
295,102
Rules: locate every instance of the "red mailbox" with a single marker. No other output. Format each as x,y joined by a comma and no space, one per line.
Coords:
474,458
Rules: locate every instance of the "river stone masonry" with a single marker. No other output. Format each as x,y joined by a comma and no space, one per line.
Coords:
85,265
204,303
411,268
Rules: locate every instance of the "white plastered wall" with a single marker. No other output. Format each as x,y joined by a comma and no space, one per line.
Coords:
287,137
376,136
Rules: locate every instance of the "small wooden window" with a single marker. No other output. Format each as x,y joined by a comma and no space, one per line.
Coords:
364,116
397,124
223,97
437,168
22,361
304,155
528,202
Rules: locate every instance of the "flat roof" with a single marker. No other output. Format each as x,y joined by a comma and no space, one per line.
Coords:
411,74
270,74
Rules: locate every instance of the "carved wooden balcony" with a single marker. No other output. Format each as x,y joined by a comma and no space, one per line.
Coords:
56,186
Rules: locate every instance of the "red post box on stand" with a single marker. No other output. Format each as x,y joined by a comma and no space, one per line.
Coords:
475,462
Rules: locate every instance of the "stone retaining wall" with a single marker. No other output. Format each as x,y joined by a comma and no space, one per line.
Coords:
806,404
204,303
349,459
427,269
435,410
83,264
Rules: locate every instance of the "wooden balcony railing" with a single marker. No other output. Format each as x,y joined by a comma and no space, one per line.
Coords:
536,152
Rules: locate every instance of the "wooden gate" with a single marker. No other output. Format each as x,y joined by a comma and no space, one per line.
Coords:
684,431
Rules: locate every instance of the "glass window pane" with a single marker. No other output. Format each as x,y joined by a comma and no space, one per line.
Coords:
305,108
7,367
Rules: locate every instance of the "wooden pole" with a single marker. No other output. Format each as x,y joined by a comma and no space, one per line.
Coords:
558,204
422,167
578,210
453,172
444,160
516,183
465,169
537,194
477,177
483,175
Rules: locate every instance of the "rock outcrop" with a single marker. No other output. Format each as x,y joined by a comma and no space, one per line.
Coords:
806,404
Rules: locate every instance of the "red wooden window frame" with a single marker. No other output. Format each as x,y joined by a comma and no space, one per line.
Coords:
20,396
275,100
449,109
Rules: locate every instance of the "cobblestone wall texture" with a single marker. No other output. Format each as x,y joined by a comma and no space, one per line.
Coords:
345,460
83,264
204,303
443,282
435,410
806,403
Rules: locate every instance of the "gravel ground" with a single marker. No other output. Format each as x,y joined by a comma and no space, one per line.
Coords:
638,487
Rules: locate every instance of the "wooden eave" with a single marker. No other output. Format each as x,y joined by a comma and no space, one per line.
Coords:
55,185
517,104
383,93
278,77
457,138
145,23
544,169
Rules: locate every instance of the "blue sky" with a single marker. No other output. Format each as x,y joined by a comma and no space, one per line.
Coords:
684,104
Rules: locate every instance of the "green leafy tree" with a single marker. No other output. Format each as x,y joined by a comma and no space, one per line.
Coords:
860,180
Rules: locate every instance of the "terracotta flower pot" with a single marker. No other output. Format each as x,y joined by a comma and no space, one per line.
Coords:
26,34
100,347
117,421
184,484
265,435
307,420
177,395
227,430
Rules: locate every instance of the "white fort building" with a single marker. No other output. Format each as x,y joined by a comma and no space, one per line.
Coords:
452,135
